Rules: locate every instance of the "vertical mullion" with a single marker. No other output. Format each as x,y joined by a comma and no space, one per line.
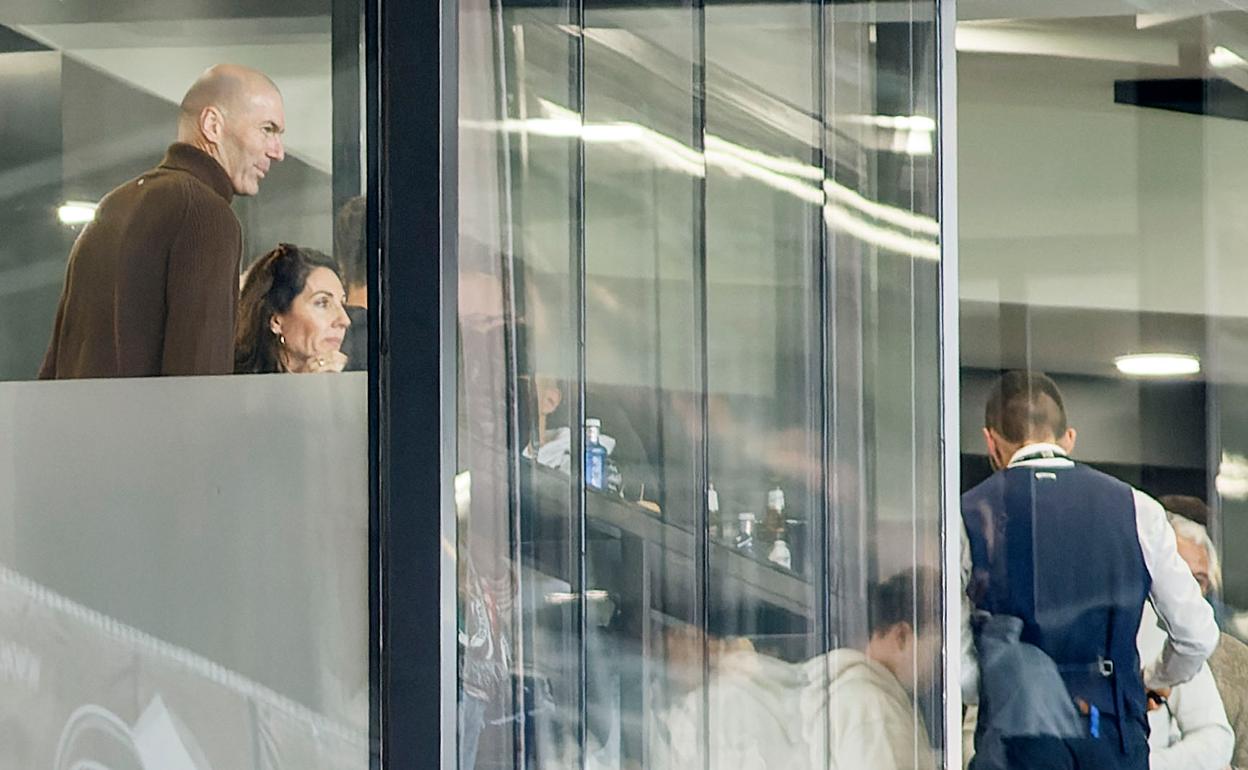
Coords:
914,331
413,145
377,425
701,291
947,197
822,526
579,494
824,337
512,310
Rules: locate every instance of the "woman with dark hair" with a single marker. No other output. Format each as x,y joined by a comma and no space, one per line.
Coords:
290,314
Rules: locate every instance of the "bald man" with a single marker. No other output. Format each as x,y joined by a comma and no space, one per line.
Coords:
152,283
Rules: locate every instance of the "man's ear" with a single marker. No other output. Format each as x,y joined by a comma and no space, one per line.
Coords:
996,455
212,124
1067,441
549,398
902,634
893,640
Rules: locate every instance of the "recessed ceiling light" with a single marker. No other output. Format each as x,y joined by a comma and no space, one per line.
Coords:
1223,58
76,212
1157,364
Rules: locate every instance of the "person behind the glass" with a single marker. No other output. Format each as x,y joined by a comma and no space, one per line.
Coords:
152,282
544,416
1228,665
1069,555
847,708
350,242
290,315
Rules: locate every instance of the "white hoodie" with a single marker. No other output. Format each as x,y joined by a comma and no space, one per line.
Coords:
1191,732
839,711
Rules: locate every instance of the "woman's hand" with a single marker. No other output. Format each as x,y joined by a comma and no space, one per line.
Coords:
329,362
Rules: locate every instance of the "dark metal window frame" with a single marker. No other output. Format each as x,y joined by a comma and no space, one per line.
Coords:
412,78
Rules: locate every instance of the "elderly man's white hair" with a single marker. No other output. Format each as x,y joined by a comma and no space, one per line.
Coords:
1198,534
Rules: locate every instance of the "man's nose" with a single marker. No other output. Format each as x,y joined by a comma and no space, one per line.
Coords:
277,152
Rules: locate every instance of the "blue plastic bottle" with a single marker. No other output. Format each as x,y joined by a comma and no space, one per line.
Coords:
595,456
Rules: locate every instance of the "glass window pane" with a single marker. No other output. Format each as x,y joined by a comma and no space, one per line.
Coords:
183,560
1099,156
705,420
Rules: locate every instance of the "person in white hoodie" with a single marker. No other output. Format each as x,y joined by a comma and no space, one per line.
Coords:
1188,728
847,709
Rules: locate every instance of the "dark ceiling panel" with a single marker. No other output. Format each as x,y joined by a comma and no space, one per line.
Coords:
15,42
1196,96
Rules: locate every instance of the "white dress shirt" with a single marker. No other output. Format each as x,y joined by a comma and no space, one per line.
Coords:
1192,631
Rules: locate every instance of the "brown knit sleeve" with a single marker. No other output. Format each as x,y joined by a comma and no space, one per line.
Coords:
201,290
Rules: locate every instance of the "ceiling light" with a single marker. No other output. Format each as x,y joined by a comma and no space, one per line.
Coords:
1232,480
899,122
1157,364
463,492
1223,58
76,212
567,597
919,143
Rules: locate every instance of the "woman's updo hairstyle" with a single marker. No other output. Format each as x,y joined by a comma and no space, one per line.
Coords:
271,286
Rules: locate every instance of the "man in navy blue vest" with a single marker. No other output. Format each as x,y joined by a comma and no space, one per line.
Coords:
1074,554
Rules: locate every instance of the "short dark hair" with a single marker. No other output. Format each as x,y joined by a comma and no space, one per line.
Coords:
350,241
1188,507
1024,405
272,284
910,596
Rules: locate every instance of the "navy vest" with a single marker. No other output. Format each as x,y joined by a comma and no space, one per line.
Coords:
1059,549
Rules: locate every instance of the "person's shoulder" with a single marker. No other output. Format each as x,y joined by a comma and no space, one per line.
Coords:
871,707
164,179
1108,487
164,190
1230,658
206,211
196,194
1229,666
871,686
202,194
153,189
989,488
1101,476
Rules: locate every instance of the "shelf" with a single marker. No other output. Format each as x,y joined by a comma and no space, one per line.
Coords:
734,577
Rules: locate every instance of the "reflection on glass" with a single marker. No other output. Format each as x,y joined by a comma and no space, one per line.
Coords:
183,560
698,387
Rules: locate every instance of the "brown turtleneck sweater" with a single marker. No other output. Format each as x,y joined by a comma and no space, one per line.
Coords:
152,282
